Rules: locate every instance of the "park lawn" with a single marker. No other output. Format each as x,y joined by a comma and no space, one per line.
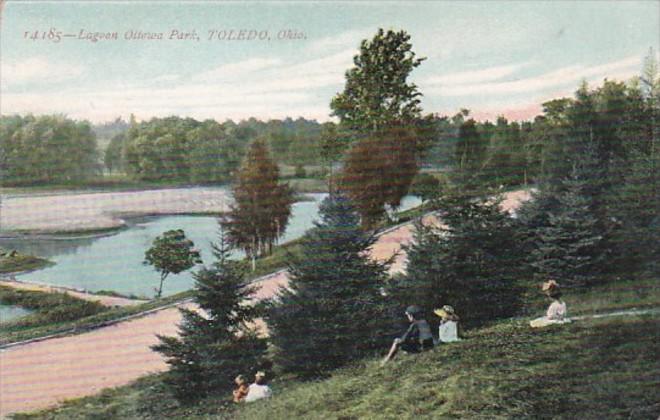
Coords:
597,368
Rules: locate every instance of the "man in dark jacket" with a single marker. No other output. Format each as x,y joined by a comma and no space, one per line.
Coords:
416,339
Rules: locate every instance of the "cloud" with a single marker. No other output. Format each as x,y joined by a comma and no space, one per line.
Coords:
343,40
262,86
166,78
238,69
474,76
565,76
38,69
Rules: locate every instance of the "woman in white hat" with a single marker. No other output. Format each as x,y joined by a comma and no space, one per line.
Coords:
448,330
557,313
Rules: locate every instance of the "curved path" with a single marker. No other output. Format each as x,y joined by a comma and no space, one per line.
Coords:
40,374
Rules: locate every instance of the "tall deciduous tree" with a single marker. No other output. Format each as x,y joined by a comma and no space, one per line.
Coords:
262,206
378,171
377,92
333,311
215,344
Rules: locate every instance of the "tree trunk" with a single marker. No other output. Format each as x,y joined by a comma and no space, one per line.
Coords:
160,287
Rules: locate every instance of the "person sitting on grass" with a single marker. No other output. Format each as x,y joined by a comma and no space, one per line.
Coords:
557,313
258,390
242,388
448,330
416,339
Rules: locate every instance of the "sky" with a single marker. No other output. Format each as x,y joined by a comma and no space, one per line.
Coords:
493,57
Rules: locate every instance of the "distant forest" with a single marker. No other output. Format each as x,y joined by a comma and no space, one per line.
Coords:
53,149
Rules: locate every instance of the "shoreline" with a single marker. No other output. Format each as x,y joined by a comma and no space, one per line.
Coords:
90,215
103,299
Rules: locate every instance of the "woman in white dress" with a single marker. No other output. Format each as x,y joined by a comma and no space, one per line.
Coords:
557,313
448,330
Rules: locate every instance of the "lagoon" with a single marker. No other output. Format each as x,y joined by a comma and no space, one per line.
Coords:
114,263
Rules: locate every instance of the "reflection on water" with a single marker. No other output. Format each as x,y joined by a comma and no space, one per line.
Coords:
115,262
11,312
46,248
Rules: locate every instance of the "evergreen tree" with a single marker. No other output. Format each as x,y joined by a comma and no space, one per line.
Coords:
471,263
568,237
333,311
262,206
215,344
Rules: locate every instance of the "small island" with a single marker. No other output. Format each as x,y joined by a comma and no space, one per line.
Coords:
12,261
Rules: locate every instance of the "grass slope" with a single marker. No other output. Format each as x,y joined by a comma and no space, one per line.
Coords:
594,368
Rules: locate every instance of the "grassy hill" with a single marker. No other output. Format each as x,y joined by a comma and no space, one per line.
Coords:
593,368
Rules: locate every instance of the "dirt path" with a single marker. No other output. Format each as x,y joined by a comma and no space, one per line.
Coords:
41,374
102,299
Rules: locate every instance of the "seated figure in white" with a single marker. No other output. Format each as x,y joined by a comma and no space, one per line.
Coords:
557,313
448,330
258,390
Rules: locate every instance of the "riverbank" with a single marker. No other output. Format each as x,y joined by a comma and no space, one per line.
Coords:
105,299
70,214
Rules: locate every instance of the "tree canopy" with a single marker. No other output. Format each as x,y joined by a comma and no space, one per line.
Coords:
377,93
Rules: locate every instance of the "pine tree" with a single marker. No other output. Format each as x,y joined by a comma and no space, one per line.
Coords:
333,311
567,245
216,344
471,263
262,206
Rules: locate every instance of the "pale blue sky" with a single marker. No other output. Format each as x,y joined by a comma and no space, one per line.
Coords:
491,57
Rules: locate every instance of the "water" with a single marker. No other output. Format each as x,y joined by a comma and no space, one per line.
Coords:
115,262
12,312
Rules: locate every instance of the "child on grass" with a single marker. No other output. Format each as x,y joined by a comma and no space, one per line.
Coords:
241,390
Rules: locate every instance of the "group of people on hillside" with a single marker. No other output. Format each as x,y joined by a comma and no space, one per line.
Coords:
418,337
253,392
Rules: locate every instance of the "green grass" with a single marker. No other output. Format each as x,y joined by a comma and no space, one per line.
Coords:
594,368
28,328
21,262
50,309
